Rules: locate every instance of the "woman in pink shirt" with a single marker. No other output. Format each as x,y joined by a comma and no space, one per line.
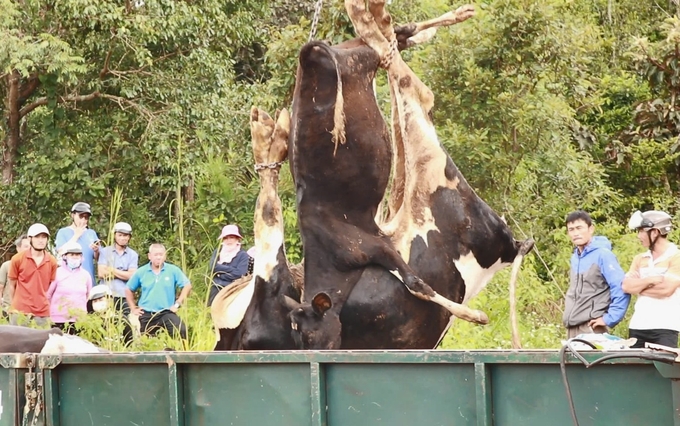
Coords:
69,291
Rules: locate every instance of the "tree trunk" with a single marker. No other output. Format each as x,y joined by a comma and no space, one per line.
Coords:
18,92
13,120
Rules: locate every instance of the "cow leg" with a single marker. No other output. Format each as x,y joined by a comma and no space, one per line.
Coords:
379,250
412,34
367,28
270,149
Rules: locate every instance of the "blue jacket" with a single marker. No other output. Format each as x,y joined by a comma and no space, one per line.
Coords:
224,274
595,288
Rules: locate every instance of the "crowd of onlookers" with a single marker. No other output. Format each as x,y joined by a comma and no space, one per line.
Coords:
83,277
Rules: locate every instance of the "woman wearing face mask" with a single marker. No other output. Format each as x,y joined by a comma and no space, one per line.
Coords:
69,292
229,261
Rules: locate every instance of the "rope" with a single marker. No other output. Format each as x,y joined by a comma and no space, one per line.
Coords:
315,21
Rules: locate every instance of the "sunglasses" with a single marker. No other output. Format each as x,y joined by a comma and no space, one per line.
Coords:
84,216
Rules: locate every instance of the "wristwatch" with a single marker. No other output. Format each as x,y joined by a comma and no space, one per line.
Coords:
177,305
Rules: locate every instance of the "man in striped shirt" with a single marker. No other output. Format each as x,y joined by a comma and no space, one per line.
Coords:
655,277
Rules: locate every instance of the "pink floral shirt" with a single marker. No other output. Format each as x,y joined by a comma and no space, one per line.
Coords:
69,290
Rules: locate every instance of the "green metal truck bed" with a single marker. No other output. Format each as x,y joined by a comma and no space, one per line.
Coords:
354,388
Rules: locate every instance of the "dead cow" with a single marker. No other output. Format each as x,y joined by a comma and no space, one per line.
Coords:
380,312
18,339
437,221
445,232
340,155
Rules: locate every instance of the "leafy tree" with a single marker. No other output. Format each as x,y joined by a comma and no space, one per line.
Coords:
121,95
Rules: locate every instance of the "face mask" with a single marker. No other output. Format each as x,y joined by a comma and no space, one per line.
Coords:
100,305
73,263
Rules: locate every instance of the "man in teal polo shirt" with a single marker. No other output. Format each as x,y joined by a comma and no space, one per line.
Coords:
158,304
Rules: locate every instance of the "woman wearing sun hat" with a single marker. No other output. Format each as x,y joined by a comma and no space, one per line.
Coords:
228,262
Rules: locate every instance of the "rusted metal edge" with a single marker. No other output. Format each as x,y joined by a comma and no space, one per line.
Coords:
14,360
48,362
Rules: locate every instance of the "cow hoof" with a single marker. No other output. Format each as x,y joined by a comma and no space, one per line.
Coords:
482,318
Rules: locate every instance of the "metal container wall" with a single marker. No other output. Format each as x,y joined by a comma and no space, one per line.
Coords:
357,388
12,388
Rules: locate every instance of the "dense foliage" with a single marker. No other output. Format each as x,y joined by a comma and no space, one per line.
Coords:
141,109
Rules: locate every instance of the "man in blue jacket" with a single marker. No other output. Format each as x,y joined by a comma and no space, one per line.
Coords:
595,300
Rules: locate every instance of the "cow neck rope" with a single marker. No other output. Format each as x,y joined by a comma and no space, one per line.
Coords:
665,358
315,20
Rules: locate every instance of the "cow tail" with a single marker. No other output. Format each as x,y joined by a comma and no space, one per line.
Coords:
339,114
516,339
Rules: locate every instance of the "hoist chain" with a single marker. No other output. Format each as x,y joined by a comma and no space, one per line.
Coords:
268,166
315,20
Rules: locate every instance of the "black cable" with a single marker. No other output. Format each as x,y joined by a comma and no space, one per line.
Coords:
667,358
662,357
563,369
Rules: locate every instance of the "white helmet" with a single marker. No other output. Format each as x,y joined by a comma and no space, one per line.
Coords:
123,228
37,229
99,291
72,248
652,219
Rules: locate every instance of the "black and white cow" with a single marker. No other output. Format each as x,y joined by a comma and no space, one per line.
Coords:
439,227
443,232
19,339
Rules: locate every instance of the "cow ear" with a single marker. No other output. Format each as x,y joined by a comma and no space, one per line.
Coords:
290,303
321,303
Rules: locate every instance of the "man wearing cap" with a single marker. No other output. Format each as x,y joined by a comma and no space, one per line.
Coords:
228,262
158,282
115,266
655,277
79,232
29,278
21,244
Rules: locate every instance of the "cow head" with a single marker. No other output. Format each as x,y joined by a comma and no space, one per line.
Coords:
315,325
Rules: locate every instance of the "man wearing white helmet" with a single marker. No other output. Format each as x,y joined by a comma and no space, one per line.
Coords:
80,232
655,277
116,265
29,278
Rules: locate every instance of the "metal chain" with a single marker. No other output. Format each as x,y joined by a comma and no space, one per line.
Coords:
387,60
30,392
315,20
38,399
268,166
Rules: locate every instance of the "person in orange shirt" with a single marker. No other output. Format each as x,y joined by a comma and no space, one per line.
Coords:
29,278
